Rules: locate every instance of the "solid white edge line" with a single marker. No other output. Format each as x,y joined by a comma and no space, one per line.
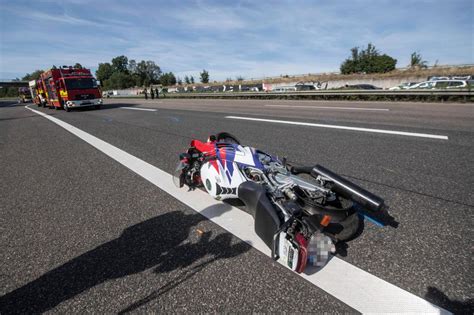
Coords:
137,108
351,285
331,107
299,123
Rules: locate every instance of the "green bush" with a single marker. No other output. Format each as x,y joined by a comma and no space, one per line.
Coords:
368,61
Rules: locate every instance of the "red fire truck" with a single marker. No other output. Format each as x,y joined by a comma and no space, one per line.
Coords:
66,88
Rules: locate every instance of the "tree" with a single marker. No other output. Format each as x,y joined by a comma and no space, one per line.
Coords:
164,78
104,72
191,79
35,75
186,79
168,79
204,76
180,82
416,61
120,64
77,66
147,73
132,66
119,80
367,60
122,73
240,78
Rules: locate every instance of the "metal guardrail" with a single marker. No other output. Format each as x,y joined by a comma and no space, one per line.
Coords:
438,92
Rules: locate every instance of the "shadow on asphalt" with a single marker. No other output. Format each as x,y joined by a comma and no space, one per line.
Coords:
158,243
435,296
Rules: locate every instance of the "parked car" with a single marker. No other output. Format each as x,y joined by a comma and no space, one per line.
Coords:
441,84
360,87
282,89
450,84
305,87
423,85
403,86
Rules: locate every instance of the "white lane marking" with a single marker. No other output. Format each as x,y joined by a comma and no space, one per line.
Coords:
349,284
331,107
137,108
299,123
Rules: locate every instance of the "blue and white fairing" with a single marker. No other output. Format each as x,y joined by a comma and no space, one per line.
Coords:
222,177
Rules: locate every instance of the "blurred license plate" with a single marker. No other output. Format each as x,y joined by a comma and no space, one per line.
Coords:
86,103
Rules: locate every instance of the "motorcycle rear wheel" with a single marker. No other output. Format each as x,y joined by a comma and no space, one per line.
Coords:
347,229
345,220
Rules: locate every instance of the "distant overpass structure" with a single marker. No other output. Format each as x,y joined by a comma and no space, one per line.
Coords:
4,83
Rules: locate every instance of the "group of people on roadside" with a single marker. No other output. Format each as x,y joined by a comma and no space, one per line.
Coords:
152,93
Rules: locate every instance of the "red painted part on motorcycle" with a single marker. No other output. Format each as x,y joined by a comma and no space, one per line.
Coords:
208,148
303,253
205,147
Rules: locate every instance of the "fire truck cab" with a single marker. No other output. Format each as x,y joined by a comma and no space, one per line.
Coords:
67,88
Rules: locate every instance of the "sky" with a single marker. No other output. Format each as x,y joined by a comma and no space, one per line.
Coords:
251,39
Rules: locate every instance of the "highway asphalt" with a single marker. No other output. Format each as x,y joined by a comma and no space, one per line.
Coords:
80,232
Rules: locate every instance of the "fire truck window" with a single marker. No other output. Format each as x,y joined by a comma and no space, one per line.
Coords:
80,84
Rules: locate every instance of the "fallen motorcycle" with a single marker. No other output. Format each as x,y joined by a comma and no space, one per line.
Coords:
300,212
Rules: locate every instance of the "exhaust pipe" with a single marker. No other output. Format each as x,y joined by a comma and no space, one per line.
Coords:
350,190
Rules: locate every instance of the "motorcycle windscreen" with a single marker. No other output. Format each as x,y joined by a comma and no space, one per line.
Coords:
178,174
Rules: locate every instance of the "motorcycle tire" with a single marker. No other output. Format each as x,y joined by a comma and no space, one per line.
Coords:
346,229
339,209
227,137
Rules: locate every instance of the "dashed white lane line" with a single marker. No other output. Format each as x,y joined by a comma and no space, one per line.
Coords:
137,108
349,284
331,107
300,123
